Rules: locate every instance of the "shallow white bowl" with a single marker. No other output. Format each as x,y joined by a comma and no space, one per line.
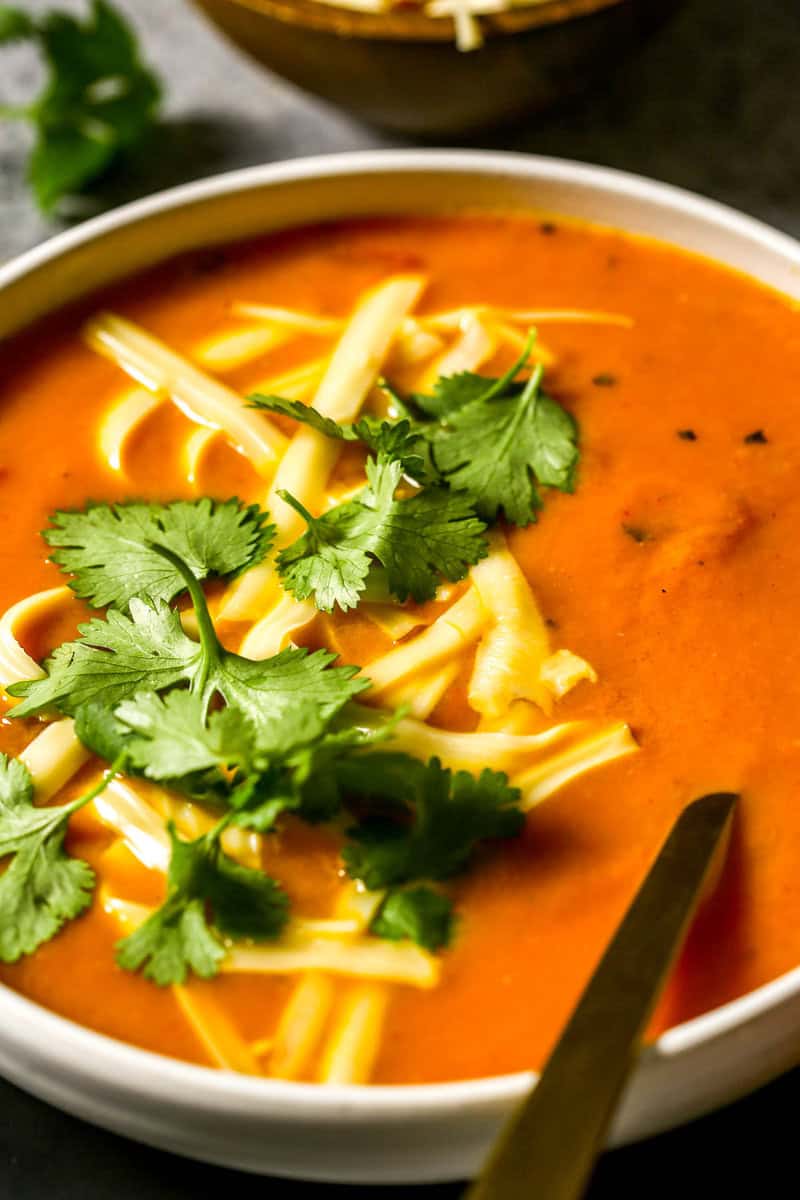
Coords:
378,1134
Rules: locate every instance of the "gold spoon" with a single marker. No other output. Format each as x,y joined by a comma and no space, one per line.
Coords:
548,1149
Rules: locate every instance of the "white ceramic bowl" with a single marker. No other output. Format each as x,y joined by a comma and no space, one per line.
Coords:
378,1134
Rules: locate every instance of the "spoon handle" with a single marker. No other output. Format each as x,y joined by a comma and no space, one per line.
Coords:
549,1147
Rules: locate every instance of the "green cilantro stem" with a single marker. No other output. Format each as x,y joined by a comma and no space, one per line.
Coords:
101,785
513,371
208,634
298,507
532,387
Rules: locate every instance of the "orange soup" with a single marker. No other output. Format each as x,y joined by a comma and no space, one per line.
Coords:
628,650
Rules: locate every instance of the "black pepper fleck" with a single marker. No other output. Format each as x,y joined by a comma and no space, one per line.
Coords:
604,380
637,533
548,228
687,435
756,438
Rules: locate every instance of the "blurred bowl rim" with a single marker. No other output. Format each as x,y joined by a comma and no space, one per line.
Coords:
408,25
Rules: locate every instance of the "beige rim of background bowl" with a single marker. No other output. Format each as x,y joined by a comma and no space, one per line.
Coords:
412,1134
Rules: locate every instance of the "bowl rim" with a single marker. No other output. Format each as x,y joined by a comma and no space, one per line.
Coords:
47,1038
407,25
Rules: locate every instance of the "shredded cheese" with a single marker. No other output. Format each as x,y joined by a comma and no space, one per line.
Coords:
238,347
53,757
121,421
16,664
548,776
353,1046
453,631
421,694
310,457
513,648
223,1043
202,398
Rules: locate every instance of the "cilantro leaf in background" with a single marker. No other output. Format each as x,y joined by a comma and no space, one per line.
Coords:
498,445
43,887
399,440
98,100
14,24
418,540
181,936
419,914
430,821
108,547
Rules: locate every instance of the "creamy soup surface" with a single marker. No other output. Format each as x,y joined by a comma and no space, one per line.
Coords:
673,569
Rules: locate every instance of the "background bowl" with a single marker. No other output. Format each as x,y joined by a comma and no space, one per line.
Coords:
401,69
409,1134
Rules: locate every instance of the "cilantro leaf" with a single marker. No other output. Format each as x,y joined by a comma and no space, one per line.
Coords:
112,659
180,936
100,731
43,887
418,540
14,24
420,914
170,737
399,440
433,821
499,444
288,698
452,392
108,548
98,101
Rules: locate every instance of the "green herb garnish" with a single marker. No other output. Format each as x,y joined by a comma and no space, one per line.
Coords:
98,100
253,739
419,914
419,540
42,886
493,442
497,439
108,548
428,821
180,936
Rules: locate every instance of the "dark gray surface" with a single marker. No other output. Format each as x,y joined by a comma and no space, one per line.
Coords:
712,105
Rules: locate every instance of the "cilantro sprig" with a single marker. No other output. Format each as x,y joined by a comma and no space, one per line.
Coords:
418,539
209,897
98,101
42,887
420,822
497,439
428,821
292,694
493,441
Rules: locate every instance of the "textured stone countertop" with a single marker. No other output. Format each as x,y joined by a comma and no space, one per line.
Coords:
710,104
